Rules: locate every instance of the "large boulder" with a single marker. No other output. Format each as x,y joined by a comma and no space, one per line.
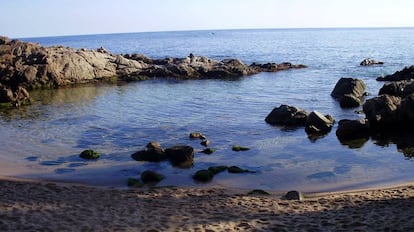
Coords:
352,129
181,155
285,115
349,91
406,74
382,110
317,123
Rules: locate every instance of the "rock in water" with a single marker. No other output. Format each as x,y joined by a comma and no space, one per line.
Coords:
285,115
180,155
369,61
349,91
89,154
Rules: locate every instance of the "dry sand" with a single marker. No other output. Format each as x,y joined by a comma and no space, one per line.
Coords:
41,206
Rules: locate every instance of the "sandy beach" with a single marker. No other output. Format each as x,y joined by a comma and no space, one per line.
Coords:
44,206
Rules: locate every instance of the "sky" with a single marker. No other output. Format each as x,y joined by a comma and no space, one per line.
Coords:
36,18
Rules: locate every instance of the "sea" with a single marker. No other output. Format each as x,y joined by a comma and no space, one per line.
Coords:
43,140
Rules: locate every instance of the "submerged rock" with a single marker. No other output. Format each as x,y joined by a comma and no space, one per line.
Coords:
151,177
203,175
239,148
89,154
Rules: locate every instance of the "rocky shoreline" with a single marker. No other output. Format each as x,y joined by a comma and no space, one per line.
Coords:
25,66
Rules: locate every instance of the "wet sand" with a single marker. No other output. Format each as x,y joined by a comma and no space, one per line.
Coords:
45,206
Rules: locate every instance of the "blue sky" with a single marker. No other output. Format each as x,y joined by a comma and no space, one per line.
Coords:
32,18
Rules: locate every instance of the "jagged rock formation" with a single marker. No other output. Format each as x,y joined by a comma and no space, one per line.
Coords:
29,65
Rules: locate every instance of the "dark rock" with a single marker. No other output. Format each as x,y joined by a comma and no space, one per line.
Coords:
406,110
239,148
352,129
6,95
133,182
369,61
317,123
349,101
235,169
151,177
203,175
406,74
153,153
180,155
382,110
217,169
89,154
293,195
258,192
398,88
273,67
208,151
285,115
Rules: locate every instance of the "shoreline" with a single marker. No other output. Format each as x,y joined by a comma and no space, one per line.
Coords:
43,205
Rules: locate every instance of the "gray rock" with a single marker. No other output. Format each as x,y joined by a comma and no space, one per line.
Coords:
369,61
285,115
318,123
382,110
350,89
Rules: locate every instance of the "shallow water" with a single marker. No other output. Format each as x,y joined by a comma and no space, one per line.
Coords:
43,140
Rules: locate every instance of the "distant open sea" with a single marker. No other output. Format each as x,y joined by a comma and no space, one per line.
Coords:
43,140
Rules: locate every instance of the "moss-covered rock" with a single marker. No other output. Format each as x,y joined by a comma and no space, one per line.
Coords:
133,182
203,175
239,148
208,151
151,177
89,154
217,169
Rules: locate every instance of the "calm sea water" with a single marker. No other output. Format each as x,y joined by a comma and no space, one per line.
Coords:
44,139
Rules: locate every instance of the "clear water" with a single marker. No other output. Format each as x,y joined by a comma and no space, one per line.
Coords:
43,140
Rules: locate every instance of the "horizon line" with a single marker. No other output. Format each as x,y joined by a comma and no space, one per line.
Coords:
230,29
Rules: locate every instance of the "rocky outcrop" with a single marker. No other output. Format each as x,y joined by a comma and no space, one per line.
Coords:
398,88
382,110
369,61
406,74
315,123
349,92
29,65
